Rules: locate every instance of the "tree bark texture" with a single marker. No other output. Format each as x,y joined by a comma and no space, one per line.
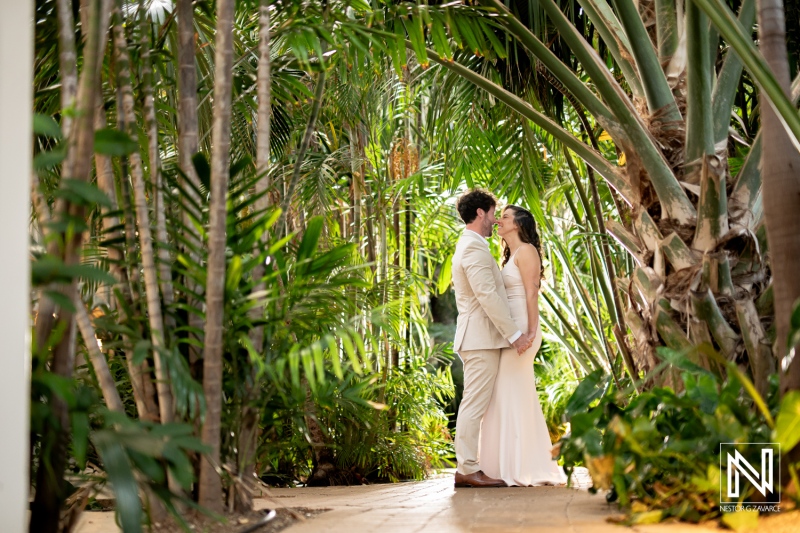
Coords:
165,403
210,482
780,167
50,494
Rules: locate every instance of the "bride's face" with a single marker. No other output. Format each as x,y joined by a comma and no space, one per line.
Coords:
506,224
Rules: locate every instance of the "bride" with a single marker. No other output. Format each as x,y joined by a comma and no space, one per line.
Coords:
515,444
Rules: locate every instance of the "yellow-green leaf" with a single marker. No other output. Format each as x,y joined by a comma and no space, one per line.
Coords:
787,425
741,521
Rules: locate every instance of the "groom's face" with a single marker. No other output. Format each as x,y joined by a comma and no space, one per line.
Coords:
488,221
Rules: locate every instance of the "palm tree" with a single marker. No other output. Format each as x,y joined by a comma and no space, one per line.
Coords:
692,255
210,484
66,246
780,160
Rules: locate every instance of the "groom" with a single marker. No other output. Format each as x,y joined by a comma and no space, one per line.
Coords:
484,327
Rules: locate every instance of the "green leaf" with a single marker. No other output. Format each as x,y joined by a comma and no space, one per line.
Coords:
679,359
80,191
445,276
52,158
310,238
112,142
488,30
47,126
234,273
59,385
140,351
787,424
89,273
120,474
149,466
591,388
794,326
740,40
80,436
741,521
647,517
60,300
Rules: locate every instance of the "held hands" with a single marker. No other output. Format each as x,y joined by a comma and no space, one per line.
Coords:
523,343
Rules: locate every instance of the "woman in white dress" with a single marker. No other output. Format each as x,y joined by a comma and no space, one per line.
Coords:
515,444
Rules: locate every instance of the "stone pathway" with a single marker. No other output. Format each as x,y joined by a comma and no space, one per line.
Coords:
436,506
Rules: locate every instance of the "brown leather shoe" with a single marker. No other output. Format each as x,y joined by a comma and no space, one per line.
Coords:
477,479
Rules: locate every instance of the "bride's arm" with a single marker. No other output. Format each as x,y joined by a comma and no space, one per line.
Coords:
529,265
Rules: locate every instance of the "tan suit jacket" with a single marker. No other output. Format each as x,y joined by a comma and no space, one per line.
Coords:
484,319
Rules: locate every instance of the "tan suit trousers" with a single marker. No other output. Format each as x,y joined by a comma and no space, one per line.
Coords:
480,370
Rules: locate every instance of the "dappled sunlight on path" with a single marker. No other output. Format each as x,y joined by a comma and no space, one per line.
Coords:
434,505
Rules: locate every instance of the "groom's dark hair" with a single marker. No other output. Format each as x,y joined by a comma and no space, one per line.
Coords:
471,201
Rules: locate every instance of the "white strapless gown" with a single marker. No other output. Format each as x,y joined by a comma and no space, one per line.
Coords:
515,444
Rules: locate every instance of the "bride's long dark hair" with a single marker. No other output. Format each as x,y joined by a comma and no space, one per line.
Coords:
527,233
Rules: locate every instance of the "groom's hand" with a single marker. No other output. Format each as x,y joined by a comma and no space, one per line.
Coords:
522,343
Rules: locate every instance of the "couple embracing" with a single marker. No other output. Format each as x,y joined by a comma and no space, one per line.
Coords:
501,435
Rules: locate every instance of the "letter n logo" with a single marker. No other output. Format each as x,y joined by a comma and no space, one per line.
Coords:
761,476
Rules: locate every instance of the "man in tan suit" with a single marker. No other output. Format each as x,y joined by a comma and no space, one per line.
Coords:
484,327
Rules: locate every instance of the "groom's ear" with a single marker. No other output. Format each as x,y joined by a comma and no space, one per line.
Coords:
481,213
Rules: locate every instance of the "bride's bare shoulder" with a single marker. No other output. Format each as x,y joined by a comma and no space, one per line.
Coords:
527,253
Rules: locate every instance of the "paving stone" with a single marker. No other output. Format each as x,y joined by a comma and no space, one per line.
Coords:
435,506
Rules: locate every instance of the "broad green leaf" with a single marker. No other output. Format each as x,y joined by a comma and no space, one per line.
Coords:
90,273
49,159
60,300
47,126
120,474
310,238
59,385
80,436
85,192
679,359
591,388
787,423
140,351
113,142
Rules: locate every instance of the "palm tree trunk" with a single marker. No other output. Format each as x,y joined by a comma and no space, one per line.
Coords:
68,69
98,359
154,156
67,62
165,403
210,488
780,164
52,459
248,431
324,463
188,144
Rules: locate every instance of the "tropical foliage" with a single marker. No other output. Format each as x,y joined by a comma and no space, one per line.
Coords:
246,208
